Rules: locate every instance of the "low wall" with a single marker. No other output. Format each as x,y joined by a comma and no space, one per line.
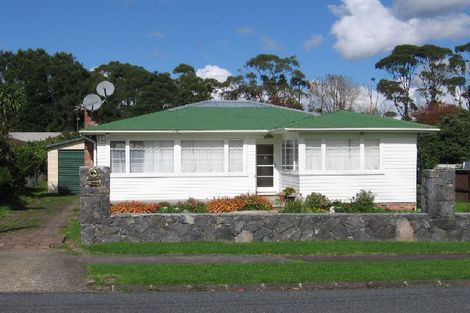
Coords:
98,225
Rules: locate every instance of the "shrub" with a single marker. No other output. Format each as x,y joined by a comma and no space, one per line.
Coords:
224,205
253,202
317,201
192,205
362,202
295,206
134,207
285,193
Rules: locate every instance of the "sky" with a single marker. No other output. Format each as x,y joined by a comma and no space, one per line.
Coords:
217,37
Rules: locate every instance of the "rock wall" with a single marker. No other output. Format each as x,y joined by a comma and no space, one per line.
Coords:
99,226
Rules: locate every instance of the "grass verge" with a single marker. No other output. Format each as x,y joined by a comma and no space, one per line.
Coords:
281,248
462,207
295,272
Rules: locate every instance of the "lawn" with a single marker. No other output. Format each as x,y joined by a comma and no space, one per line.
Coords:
295,272
34,207
280,248
462,207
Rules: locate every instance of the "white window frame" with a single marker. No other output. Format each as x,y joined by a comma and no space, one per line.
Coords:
324,170
177,162
295,155
153,146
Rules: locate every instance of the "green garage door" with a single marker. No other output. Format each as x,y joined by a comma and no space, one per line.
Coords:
69,163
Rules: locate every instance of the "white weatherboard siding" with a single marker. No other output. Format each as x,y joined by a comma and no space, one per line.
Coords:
394,182
289,180
179,188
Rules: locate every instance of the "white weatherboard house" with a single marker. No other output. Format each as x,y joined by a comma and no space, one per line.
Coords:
225,148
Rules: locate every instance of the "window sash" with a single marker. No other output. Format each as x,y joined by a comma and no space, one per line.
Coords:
371,154
313,154
343,154
118,156
202,156
156,156
290,154
235,156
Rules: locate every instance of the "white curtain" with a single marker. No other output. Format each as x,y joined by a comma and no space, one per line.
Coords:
371,154
202,156
151,156
118,156
235,155
313,154
342,154
290,154
164,156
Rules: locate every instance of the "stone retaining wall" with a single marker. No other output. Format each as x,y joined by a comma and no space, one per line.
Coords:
98,225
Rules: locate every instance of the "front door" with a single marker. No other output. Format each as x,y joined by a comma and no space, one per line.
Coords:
264,166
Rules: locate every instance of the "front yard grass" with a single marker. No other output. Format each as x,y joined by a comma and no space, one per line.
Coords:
281,248
295,272
462,207
34,207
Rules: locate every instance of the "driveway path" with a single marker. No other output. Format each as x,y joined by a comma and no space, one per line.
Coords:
32,270
45,236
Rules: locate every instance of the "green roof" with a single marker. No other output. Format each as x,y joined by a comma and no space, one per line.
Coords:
347,119
246,116
64,142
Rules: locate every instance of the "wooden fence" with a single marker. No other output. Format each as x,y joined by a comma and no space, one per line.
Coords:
462,185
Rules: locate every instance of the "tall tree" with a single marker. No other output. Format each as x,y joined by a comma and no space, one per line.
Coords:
12,98
465,92
400,66
269,78
54,86
190,87
333,93
442,73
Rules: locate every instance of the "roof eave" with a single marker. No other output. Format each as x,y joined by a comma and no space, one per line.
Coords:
98,132
366,129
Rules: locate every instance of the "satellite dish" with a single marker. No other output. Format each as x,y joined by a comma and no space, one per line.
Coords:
92,102
105,88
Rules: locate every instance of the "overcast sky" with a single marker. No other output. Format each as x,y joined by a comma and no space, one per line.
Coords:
217,37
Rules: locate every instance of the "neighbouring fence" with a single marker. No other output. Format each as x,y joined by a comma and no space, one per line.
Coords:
462,185
438,222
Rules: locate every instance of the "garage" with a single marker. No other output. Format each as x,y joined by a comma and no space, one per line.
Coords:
63,162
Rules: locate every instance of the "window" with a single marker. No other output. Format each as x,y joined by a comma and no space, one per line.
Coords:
118,156
202,156
371,154
290,154
235,155
313,155
342,154
151,156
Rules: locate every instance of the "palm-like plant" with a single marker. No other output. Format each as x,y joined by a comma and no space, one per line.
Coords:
12,97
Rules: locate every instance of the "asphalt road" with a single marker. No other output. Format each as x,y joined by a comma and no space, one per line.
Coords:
427,300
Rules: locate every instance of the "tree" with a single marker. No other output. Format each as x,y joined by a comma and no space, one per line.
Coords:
442,73
451,145
269,78
191,88
54,86
401,66
465,92
12,98
434,113
333,93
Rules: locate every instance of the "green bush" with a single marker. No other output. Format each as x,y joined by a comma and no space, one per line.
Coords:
190,205
362,202
317,201
295,206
